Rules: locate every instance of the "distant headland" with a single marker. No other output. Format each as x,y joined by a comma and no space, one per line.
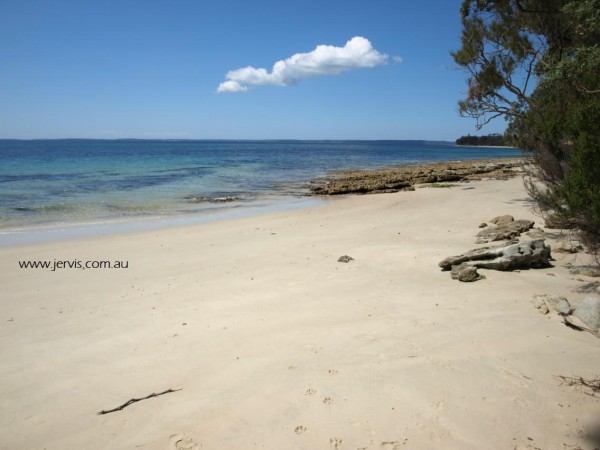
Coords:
490,140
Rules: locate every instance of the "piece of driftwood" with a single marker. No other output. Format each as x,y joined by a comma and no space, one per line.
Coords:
134,400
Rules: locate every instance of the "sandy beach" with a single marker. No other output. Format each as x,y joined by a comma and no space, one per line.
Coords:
269,342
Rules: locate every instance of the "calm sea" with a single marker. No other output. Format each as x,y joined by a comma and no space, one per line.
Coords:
49,182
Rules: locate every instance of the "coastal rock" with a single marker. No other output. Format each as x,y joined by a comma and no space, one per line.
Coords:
513,256
588,288
405,177
465,273
588,271
559,304
508,230
345,259
540,304
569,247
502,220
536,233
589,312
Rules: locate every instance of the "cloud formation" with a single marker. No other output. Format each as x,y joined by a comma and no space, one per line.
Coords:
323,60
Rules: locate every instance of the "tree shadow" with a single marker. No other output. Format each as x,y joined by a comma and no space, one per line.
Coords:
592,435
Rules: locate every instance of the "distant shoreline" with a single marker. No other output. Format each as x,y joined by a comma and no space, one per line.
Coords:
486,146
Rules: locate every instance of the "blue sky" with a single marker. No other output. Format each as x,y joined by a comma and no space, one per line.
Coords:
152,69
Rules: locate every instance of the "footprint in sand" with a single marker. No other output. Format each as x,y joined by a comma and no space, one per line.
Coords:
327,400
336,443
300,429
333,371
310,391
180,442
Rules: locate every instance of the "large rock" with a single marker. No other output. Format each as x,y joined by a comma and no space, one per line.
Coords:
507,230
514,255
588,271
502,220
465,273
557,303
540,304
589,312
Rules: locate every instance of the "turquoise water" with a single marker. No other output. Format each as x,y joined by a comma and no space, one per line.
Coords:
46,182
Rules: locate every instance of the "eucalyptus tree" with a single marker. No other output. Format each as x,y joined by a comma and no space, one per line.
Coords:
536,63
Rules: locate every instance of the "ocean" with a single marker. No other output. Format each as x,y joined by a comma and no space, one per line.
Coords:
79,181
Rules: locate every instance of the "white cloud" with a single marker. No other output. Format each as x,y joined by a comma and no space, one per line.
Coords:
323,60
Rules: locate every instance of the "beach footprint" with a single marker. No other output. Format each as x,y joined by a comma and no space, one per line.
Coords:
336,443
181,442
300,429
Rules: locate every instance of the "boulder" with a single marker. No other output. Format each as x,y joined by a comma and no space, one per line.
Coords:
559,304
589,312
509,230
588,271
569,247
540,304
502,220
588,288
512,256
465,273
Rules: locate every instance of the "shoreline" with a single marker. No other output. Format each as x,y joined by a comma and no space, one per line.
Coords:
74,228
276,344
65,231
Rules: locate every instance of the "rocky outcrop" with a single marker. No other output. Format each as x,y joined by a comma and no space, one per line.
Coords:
506,229
405,177
513,256
345,259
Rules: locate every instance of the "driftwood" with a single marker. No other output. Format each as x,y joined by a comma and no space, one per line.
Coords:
134,400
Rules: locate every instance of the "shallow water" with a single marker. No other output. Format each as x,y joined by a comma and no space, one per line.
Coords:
45,183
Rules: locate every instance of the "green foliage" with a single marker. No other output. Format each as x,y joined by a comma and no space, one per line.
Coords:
537,64
490,139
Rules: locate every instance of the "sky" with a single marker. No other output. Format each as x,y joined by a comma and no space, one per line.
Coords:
204,69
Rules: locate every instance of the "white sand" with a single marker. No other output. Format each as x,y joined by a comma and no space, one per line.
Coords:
276,345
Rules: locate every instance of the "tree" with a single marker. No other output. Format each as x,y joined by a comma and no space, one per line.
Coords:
537,64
